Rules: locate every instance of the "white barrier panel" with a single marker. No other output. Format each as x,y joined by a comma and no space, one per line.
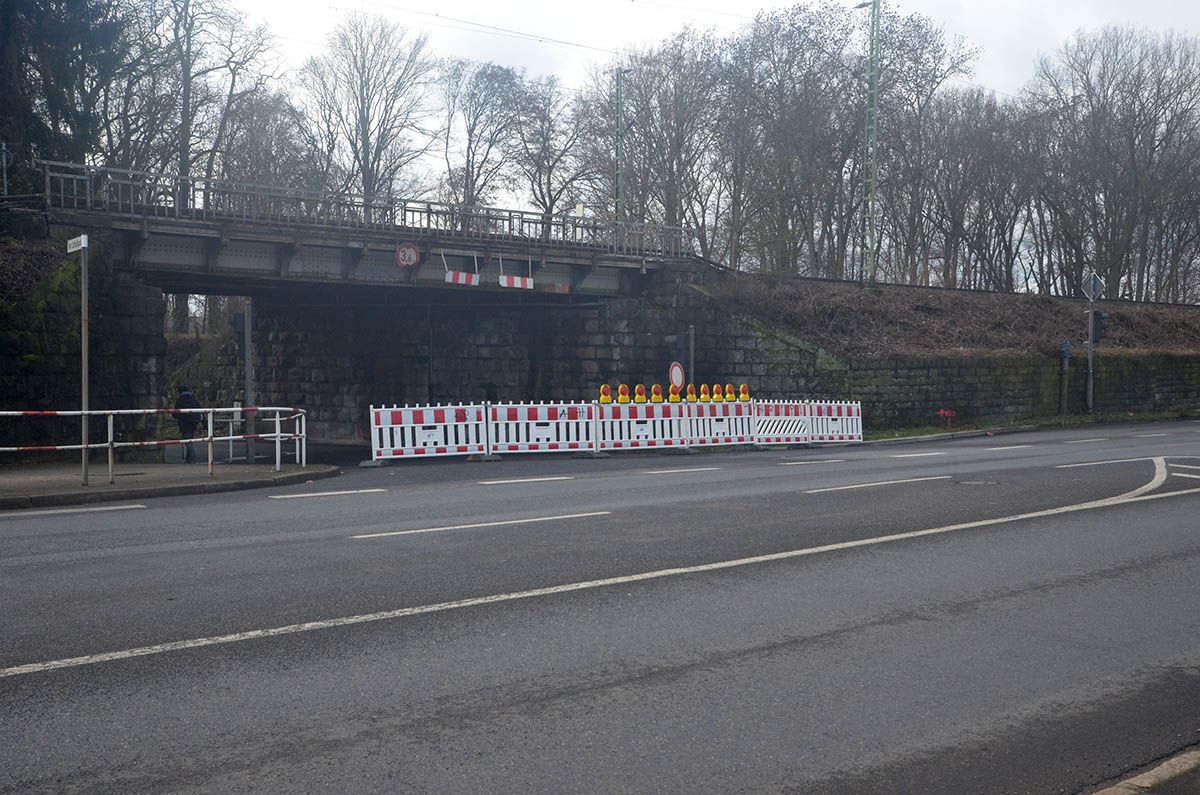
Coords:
625,426
834,421
541,428
427,431
720,423
780,422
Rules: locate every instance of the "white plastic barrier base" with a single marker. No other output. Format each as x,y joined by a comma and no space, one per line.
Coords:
427,431
835,421
541,428
721,424
780,422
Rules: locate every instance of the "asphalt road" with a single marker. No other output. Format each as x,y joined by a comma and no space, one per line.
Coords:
1006,614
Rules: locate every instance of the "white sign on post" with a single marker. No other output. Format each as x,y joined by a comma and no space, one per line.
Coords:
1093,287
76,243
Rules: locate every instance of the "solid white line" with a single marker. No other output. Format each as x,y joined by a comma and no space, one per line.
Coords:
1148,435
53,511
523,480
1085,441
1184,466
1102,463
876,483
323,494
814,461
1010,447
915,455
1185,475
291,629
482,524
673,471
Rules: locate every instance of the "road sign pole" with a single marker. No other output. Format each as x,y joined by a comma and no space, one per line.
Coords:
80,244
1091,332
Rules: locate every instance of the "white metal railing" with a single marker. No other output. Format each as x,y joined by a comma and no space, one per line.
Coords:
493,428
276,417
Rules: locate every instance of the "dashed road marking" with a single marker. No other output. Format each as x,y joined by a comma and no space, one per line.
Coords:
324,494
1103,463
56,511
814,461
1085,441
1010,447
876,483
676,471
915,455
524,480
481,524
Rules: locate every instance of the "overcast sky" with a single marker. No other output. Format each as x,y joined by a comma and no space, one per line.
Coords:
1011,33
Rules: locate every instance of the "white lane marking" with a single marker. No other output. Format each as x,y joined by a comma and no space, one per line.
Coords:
673,471
814,461
55,511
1148,435
1185,475
876,483
324,494
1085,441
915,455
523,480
1185,466
1137,495
1010,447
481,524
1103,463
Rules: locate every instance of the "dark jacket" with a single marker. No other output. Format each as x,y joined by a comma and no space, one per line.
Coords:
187,422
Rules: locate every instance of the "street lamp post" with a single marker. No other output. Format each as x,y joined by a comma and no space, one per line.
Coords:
871,169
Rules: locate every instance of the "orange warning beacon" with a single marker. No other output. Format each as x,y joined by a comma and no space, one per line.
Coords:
605,393
623,394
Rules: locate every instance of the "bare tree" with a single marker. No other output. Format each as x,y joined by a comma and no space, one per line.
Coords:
368,94
547,154
482,104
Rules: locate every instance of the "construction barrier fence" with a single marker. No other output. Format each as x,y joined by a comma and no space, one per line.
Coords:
494,428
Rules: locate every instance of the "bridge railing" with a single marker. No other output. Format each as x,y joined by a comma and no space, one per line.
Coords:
143,194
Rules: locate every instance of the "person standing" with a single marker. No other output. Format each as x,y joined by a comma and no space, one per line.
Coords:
188,422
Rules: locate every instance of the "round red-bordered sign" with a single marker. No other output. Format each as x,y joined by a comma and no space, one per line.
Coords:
676,374
407,255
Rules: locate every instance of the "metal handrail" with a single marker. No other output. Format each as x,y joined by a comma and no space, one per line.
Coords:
145,194
282,414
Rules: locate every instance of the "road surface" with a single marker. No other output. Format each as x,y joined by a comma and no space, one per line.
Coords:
1002,614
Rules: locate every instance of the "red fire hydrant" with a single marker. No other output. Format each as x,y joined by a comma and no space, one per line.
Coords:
947,413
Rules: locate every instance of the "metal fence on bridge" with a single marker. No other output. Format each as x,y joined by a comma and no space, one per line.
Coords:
143,194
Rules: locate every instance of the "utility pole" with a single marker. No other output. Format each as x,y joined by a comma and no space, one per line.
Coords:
871,168
620,155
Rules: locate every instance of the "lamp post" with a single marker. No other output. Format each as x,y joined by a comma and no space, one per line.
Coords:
871,168
620,155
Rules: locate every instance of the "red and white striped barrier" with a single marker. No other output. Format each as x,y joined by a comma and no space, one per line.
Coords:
541,428
625,426
520,282
834,421
399,432
780,422
720,424
463,278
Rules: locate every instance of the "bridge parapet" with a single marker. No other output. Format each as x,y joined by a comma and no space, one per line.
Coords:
147,195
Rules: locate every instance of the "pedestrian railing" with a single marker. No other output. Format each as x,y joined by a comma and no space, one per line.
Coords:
495,428
283,424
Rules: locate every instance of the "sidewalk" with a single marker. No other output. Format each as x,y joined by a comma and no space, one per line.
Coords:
50,485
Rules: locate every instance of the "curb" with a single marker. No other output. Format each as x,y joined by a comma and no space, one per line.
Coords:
1146,782
942,437
317,472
